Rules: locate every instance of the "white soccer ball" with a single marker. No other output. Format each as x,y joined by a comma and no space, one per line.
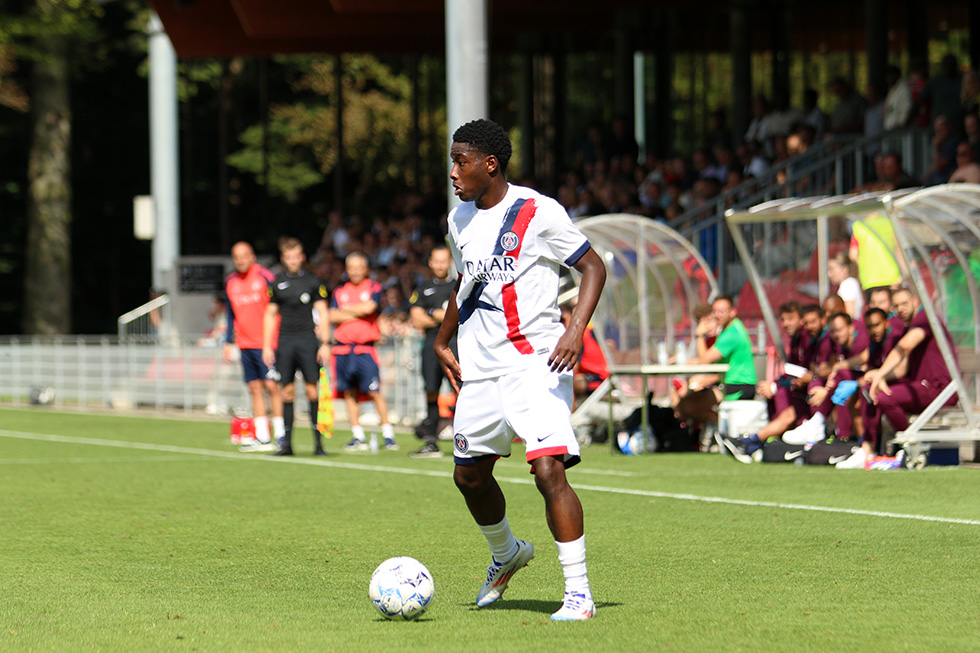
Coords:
401,588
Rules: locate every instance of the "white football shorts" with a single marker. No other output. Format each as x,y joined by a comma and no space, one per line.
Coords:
533,405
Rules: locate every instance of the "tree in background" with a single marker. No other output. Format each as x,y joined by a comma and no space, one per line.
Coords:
49,36
302,146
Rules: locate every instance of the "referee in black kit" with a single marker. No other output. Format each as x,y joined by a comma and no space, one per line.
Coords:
304,344
429,303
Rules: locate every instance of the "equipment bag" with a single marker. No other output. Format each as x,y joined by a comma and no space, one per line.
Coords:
830,451
778,451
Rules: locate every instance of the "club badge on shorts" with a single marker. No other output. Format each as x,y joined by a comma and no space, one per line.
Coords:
460,442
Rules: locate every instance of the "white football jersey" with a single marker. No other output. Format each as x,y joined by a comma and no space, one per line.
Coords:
509,258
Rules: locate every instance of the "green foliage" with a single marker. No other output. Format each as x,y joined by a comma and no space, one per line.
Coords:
302,147
76,20
292,162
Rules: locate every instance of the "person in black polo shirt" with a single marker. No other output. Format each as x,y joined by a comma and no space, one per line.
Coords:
297,294
429,303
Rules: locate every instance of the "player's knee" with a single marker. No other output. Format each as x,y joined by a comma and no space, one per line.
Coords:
549,476
469,480
288,392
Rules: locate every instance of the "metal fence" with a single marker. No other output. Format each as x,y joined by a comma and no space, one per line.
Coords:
102,372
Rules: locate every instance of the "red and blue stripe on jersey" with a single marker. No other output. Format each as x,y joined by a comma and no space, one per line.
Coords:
516,221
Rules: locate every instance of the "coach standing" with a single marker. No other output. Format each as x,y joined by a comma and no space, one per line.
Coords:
247,290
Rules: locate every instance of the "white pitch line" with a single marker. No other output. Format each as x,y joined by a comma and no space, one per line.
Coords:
518,481
77,460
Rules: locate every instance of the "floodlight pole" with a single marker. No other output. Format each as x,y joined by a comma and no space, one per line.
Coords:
467,66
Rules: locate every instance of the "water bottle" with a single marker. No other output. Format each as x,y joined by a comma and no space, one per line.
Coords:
374,442
680,353
662,353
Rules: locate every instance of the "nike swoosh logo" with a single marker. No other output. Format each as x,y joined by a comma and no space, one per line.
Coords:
545,437
792,455
283,286
833,460
428,291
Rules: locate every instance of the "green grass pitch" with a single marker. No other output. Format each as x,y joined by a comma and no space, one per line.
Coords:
122,533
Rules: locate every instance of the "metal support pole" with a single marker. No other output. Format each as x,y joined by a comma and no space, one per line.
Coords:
466,66
164,161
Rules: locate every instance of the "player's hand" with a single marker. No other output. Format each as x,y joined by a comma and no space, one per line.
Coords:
323,354
450,366
878,386
226,352
817,397
566,352
764,390
268,357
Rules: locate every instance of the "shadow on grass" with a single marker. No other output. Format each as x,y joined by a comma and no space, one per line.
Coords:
532,605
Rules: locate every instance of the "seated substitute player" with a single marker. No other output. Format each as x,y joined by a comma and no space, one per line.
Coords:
849,343
515,356
925,371
786,395
303,343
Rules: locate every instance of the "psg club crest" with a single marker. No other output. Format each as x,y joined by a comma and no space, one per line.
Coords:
460,443
509,241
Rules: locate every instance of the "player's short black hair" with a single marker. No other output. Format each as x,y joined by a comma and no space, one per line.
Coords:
874,310
812,308
844,316
487,137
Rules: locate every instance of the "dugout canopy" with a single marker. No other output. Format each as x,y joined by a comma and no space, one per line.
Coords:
654,279
927,239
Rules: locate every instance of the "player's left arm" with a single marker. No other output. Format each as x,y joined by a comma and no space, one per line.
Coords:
569,345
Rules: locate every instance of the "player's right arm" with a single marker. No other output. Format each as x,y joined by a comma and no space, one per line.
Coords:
443,351
268,328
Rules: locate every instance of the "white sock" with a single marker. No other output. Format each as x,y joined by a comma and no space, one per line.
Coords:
388,431
262,430
571,555
503,546
358,432
279,427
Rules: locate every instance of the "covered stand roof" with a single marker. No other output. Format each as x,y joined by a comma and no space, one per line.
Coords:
222,28
655,277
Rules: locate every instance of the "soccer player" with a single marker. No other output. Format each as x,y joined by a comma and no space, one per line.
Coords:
514,372
247,290
296,294
429,303
925,375
787,394
354,309
848,343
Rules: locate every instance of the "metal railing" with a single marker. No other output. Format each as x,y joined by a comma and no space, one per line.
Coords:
835,167
108,373
148,323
